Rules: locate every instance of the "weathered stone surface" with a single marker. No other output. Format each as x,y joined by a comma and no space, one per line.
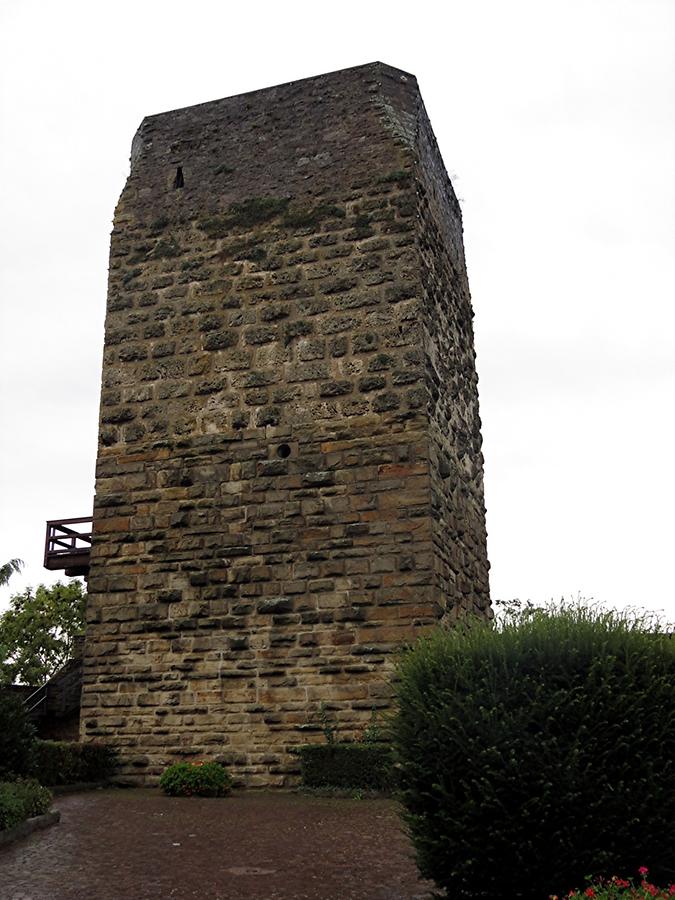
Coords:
289,480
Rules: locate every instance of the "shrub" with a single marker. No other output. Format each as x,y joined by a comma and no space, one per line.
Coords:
21,800
11,807
337,765
196,779
16,735
99,760
61,762
539,750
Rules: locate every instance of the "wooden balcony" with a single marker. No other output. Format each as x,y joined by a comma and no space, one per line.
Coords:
67,545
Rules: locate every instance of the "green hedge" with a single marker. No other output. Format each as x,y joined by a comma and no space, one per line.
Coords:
16,736
539,752
60,762
20,800
350,766
186,779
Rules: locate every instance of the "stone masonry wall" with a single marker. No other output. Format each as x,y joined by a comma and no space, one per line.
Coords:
289,470
456,461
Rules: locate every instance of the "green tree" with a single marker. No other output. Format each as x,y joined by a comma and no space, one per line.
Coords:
37,631
8,569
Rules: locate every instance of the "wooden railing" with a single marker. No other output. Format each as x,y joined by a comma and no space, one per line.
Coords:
67,545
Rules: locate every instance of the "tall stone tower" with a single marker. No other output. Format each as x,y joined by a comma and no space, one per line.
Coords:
290,479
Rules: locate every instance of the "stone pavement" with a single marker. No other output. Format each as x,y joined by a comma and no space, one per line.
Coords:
140,845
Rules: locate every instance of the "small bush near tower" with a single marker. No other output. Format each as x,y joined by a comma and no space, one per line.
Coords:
185,779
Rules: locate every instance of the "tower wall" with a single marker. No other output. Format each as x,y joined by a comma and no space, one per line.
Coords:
289,479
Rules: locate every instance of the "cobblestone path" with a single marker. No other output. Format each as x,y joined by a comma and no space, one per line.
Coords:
140,845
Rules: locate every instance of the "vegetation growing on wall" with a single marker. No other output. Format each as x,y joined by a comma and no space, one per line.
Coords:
259,210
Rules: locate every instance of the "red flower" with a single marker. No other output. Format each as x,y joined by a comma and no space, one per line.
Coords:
589,892
643,870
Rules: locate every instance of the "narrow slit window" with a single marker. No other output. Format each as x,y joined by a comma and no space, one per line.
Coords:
179,181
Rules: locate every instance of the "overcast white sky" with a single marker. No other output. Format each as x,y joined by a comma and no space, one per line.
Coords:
556,122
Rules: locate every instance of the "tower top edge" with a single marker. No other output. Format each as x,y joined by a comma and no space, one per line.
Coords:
375,68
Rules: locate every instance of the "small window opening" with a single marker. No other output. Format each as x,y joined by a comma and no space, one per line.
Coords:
179,181
283,451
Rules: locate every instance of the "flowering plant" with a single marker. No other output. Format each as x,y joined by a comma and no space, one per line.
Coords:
616,888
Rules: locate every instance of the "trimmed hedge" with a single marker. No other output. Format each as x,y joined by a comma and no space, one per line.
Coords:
538,752
16,736
61,762
186,779
338,765
20,800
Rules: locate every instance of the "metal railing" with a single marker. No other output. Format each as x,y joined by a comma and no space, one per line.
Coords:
37,699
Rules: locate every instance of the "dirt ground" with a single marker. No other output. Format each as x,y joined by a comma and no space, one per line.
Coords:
140,845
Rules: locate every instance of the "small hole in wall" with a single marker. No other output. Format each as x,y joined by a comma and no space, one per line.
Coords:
283,451
179,181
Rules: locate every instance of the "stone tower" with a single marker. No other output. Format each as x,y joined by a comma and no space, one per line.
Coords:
290,479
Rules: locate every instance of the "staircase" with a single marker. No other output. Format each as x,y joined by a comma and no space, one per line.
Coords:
54,707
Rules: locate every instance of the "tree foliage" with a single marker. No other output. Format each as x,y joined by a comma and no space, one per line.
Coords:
37,631
8,569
